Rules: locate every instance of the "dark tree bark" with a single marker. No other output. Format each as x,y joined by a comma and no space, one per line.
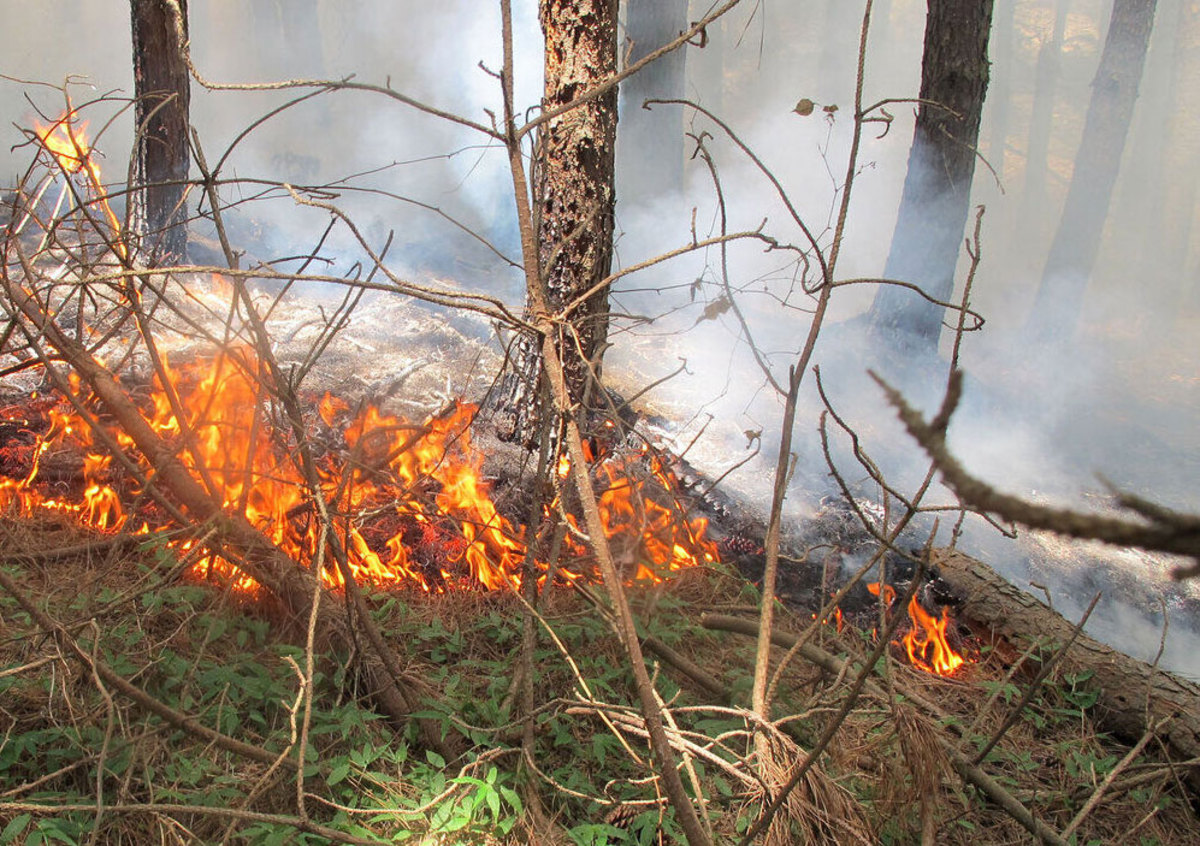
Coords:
1037,148
1076,242
573,198
650,143
941,164
157,207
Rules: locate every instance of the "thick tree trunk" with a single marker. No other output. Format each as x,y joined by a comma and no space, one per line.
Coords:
1076,243
650,143
1132,695
573,197
941,164
157,198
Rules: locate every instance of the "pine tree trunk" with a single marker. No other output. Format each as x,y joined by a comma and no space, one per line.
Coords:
573,197
941,164
650,143
157,207
1076,242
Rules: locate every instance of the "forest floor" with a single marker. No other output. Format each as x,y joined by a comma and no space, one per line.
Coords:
80,762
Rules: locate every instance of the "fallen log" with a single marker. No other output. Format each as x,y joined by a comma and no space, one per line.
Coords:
1133,697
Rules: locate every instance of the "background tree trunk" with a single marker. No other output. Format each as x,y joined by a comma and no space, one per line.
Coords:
1037,148
1059,300
1004,22
941,165
650,143
1177,213
573,198
157,209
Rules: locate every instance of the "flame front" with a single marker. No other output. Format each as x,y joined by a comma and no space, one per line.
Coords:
925,641
408,502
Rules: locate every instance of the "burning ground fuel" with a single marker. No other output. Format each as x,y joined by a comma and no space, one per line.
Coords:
410,501
411,504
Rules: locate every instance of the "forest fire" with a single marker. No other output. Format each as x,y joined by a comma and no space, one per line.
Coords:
925,641
408,501
67,141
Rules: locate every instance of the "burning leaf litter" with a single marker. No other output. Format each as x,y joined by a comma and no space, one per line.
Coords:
411,503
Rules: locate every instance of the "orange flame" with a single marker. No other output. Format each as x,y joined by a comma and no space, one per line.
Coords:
67,141
925,642
409,503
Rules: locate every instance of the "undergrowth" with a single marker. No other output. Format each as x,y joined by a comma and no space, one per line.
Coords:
80,764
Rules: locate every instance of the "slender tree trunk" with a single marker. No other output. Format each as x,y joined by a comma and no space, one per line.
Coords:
1037,148
1059,301
573,198
1001,85
1177,213
157,199
941,165
650,143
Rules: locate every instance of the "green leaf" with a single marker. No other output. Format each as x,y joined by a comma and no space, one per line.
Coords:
15,827
434,759
513,799
338,772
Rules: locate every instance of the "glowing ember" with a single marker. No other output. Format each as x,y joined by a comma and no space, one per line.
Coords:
408,502
925,642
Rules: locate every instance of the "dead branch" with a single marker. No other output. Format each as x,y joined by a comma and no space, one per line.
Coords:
1132,695
235,814
1162,529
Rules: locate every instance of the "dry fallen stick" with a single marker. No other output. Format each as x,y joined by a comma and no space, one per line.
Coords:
332,835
